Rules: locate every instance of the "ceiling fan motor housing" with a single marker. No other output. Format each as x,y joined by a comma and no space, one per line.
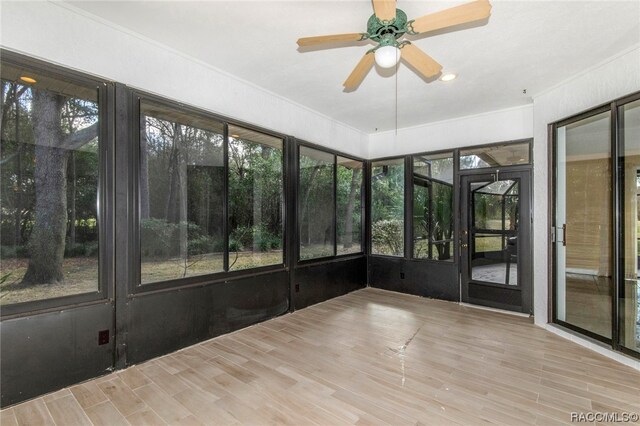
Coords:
387,31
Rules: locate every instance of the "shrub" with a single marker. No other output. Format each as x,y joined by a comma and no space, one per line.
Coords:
158,238
91,249
10,252
74,250
248,237
275,242
387,236
234,245
204,244
88,249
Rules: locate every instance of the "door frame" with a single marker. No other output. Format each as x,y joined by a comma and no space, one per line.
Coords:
616,226
553,251
525,240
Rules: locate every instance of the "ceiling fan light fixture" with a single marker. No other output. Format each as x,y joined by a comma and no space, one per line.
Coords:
387,56
448,76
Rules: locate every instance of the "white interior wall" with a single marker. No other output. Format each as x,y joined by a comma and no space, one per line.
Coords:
614,78
495,126
64,35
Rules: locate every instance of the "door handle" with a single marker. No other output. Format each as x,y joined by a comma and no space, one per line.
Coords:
464,245
564,235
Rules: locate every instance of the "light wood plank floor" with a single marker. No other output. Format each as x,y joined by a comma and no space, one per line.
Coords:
370,357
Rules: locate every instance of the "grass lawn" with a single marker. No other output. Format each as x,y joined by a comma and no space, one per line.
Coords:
317,251
81,273
484,244
81,276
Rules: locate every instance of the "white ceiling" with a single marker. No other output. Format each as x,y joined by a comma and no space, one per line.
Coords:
529,45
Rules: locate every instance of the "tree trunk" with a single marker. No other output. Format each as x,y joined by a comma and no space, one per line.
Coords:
52,147
18,213
72,200
304,205
46,245
348,219
182,199
172,214
144,170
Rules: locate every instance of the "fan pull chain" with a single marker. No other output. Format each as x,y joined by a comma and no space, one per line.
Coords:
396,77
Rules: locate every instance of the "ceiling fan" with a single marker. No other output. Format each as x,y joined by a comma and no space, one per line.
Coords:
388,25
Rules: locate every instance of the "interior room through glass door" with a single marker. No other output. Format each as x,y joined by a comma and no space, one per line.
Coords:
583,226
629,151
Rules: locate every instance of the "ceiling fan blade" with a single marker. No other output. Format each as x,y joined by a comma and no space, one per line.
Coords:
385,10
474,11
314,41
423,63
359,72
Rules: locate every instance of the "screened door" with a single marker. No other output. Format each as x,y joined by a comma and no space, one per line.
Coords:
495,240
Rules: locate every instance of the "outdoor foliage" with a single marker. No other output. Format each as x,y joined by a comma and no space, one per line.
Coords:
387,236
387,209
316,203
255,202
349,209
433,221
48,185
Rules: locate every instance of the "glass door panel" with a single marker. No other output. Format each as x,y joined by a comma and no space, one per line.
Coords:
495,240
584,285
494,231
629,133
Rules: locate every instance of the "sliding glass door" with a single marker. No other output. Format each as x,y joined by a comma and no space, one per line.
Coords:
629,167
584,249
596,224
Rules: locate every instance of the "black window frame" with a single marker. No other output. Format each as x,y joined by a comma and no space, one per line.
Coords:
429,182
363,196
106,188
285,200
528,141
134,285
407,198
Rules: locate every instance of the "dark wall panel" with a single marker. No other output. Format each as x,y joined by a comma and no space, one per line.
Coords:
46,352
323,281
429,279
164,322
496,297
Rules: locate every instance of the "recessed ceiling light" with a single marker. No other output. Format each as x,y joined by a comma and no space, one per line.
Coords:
235,136
29,80
448,77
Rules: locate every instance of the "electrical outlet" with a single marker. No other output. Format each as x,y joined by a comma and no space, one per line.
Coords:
297,288
402,275
103,337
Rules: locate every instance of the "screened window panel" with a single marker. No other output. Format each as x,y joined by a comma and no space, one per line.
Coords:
387,207
316,204
349,205
49,180
433,207
180,194
256,201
